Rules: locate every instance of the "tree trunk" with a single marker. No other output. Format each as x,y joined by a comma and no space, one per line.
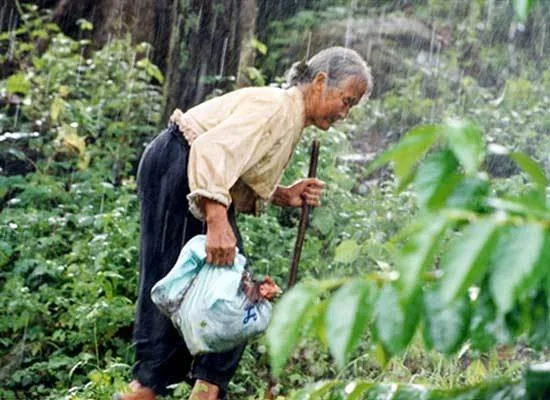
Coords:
196,43
146,21
8,16
205,50
247,24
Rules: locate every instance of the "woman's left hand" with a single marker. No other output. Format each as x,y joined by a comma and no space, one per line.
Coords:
309,190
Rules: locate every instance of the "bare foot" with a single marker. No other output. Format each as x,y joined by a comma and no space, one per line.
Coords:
204,391
139,392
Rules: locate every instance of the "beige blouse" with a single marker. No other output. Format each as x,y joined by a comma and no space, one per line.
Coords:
241,143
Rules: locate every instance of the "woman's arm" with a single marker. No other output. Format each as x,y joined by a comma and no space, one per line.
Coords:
217,160
309,190
220,239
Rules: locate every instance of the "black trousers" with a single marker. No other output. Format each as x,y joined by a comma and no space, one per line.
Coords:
166,225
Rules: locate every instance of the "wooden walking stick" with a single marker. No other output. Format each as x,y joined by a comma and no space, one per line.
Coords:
304,217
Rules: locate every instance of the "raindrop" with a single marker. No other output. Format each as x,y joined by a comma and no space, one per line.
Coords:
490,6
102,203
79,67
164,227
542,39
222,64
308,45
16,117
2,11
432,42
348,37
12,25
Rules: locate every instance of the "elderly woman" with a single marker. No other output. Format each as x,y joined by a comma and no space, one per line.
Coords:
223,155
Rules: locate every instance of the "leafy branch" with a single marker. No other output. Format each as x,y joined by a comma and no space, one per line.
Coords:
488,254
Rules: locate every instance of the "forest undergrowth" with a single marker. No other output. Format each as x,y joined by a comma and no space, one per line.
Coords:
73,123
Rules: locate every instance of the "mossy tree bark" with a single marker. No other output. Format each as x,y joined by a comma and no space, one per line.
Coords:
196,43
204,50
145,20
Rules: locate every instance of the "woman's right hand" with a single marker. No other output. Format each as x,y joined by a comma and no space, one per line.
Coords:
220,239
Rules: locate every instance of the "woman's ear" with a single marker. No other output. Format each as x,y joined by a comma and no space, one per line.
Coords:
320,81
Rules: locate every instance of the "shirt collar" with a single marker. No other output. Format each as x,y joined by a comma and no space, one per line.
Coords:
298,104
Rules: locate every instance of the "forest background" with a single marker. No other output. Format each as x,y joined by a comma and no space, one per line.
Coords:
437,268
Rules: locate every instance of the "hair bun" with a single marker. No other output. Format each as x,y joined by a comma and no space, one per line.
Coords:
299,73
301,67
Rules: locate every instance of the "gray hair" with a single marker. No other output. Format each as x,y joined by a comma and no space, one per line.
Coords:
338,63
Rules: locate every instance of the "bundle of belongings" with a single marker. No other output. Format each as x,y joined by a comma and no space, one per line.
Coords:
214,308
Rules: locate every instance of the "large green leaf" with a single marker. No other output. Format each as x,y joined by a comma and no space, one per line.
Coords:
469,194
467,143
18,84
445,327
324,389
348,314
322,219
485,328
435,179
411,392
514,260
537,381
288,319
396,322
530,167
151,69
317,327
537,315
408,152
522,8
259,46
347,252
466,259
531,204
418,252
358,390
384,391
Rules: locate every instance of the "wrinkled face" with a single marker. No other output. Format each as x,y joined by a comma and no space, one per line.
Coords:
330,104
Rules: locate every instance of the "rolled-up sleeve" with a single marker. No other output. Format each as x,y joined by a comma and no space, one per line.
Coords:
219,156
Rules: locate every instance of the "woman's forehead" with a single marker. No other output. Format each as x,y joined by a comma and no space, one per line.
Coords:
354,86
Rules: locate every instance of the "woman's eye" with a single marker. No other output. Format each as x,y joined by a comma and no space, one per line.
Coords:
348,102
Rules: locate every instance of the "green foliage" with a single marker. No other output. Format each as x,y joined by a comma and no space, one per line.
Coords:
80,97
396,321
70,294
466,258
445,325
523,8
347,318
69,231
18,84
17,46
534,385
417,254
284,34
492,243
290,314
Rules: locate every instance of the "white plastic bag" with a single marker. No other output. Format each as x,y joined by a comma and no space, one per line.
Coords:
206,303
